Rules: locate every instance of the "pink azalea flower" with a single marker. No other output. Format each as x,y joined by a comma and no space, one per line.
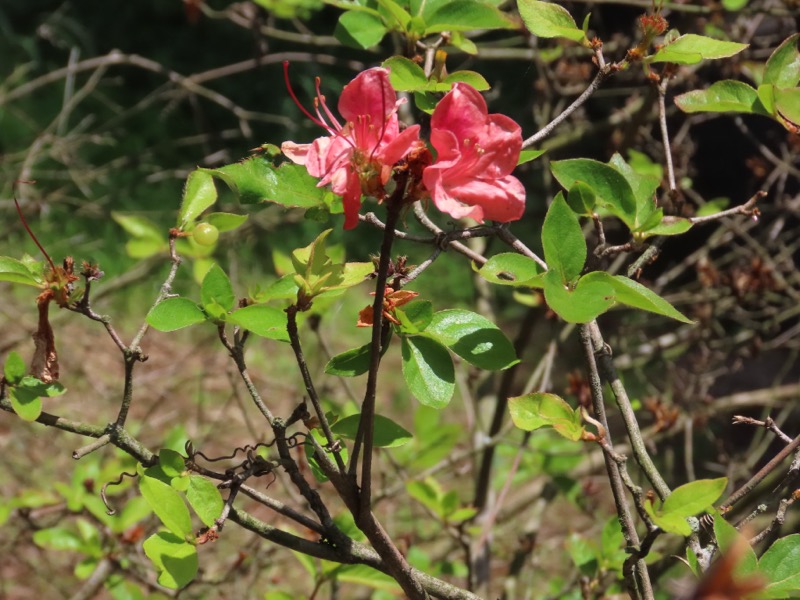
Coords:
476,153
356,158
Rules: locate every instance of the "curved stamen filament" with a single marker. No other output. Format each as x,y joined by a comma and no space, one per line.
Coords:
314,119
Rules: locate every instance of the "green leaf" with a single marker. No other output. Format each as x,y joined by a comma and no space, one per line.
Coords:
687,501
787,107
175,559
226,221
397,18
766,95
643,187
387,434
40,388
14,369
145,247
471,78
581,304
360,29
205,499
529,155
691,48
263,320
734,5
138,227
366,576
167,504
721,96
350,363
27,404
537,410
427,492
428,371
781,565
198,194
15,271
609,185
257,180
217,289
175,313
783,67
581,198
627,291
548,20
665,226
562,240
510,268
727,537
58,538
415,316
405,75
464,15
171,462
474,338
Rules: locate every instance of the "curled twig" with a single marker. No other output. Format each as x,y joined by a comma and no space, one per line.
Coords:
109,510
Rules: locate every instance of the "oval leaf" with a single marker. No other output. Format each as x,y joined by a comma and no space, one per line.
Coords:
205,499
781,565
562,240
167,504
510,268
428,371
691,48
721,96
584,303
217,289
474,338
388,434
198,194
263,320
627,291
783,67
549,20
175,313
609,185
175,559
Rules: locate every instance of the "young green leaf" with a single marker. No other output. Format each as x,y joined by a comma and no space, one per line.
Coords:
263,320
537,410
549,20
627,291
686,501
727,537
359,29
428,371
415,316
217,288
529,155
690,49
14,369
226,221
463,15
510,268
781,565
171,462
581,198
405,75
721,96
612,189
205,499
168,505
175,313
198,194
350,363
787,108
783,67
562,240
257,180
581,304
474,338
388,434
175,559
15,271
27,404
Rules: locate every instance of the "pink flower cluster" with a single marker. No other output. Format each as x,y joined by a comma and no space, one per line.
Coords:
476,151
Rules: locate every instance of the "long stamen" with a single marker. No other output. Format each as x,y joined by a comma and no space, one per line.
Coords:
329,114
33,237
314,119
